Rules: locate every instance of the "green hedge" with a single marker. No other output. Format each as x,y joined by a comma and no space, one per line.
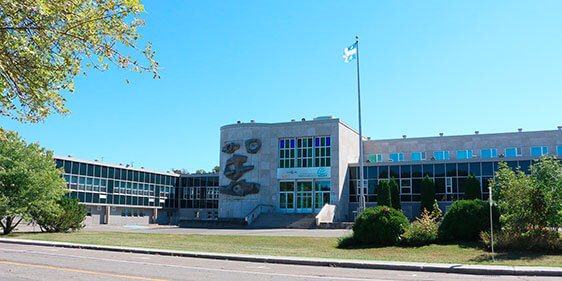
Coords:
466,219
381,225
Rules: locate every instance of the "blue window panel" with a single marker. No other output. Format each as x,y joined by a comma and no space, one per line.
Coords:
539,150
511,152
464,154
396,157
317,142
282,144
488,153
327,141
559,150
416,156
292,143
374,158
441,155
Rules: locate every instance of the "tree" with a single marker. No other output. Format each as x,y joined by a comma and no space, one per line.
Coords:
216,169
383,194
427,194
394,194
472,189
200,171
180,171
29,180
43,44
530,202
69,216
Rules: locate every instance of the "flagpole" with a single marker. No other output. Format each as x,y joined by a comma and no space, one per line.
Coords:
361,176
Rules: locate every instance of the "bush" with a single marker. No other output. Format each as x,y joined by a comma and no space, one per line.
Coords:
427,194
394,194
346,242
466,219
535,240
383,194
472,190
68,217
381,225
423,231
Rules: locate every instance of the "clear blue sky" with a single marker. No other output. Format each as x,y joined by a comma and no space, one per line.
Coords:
426,67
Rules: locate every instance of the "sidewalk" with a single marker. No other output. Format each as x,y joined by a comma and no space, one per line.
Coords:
344,263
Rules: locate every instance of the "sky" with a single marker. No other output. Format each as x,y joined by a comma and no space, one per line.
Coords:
426,67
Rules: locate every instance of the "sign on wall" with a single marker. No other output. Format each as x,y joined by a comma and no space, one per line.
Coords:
296,173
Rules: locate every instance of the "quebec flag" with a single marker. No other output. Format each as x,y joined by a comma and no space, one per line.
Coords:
350,53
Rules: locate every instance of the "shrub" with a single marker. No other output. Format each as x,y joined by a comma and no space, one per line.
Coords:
346,242
69,216
427,194
383,194
466,219
423,231
472,189
394,194
381,225
536,240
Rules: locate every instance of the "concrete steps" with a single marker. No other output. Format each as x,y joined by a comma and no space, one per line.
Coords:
284,220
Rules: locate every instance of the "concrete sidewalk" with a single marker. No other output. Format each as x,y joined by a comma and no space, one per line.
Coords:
366,264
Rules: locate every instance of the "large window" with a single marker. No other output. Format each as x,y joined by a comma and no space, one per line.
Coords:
513,152
489,153
441,155
559,150
418,156
539,150
396,157
374,158
305,152
464,154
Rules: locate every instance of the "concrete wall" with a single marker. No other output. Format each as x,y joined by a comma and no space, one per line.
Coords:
348,152
97,215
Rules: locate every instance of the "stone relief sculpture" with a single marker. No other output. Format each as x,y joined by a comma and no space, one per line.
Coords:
235,168
253,145
230,147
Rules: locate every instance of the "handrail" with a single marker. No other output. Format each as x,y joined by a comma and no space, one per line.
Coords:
249,218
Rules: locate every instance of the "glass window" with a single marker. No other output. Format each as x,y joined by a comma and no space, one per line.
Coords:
68,167
372,172
439,170
512,152
322,153
475,169
304,152
487,168
464,154
75,168
441,155
559,150
489,153
104,172
428,170
90,170
451,170
539,150
418,156
286,153
383,172
395,171
374,158
462,169
417,171
82,168
405,171
396,157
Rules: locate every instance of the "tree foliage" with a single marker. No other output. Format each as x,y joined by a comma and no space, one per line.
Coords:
531,201
68,216
29,180
381,225
383,194
472,189
424,230
427,194
394,194
44,43
466,219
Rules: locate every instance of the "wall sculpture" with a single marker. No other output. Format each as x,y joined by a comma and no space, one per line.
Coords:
235,168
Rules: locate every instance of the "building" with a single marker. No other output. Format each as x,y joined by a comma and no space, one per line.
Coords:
306,166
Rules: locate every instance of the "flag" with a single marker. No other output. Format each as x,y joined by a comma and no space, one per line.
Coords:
350,53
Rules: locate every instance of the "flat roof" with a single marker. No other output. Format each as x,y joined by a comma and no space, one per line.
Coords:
114,166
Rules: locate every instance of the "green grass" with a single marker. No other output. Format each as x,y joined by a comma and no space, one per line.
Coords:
467,253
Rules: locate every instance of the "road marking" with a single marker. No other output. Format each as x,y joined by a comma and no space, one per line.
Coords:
80,271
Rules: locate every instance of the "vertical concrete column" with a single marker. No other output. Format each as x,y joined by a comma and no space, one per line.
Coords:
155,216
107,214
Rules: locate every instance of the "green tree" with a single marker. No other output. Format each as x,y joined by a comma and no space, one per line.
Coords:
29,180
200,171
44,43
394,194
70,216
427,194
530,202
383,194
216,169
472,189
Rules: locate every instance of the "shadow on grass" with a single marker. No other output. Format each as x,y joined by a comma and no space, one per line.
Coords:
511,256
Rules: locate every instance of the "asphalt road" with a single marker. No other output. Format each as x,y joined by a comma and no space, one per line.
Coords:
23,262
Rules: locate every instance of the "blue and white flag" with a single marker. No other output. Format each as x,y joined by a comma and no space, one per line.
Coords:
350,53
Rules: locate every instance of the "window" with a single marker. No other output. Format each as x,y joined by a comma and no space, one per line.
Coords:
374,158
559,150
286,153
406,186
418,156
441,155
464,154
513,152
449,185
322,153
489,153
304,152
396,157
539,150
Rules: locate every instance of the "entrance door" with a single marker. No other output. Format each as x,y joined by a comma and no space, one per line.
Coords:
304,196
321,194
287,196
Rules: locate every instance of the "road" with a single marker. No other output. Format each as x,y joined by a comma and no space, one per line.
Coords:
25,262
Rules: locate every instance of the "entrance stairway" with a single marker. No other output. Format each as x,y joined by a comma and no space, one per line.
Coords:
282,220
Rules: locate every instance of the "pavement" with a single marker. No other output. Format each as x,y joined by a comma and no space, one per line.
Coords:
31,262
171,229
316,262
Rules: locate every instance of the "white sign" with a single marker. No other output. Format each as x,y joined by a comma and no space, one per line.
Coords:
298,173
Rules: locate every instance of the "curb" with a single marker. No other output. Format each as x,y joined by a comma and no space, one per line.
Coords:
364,264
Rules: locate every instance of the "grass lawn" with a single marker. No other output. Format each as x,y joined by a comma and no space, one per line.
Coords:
467,253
